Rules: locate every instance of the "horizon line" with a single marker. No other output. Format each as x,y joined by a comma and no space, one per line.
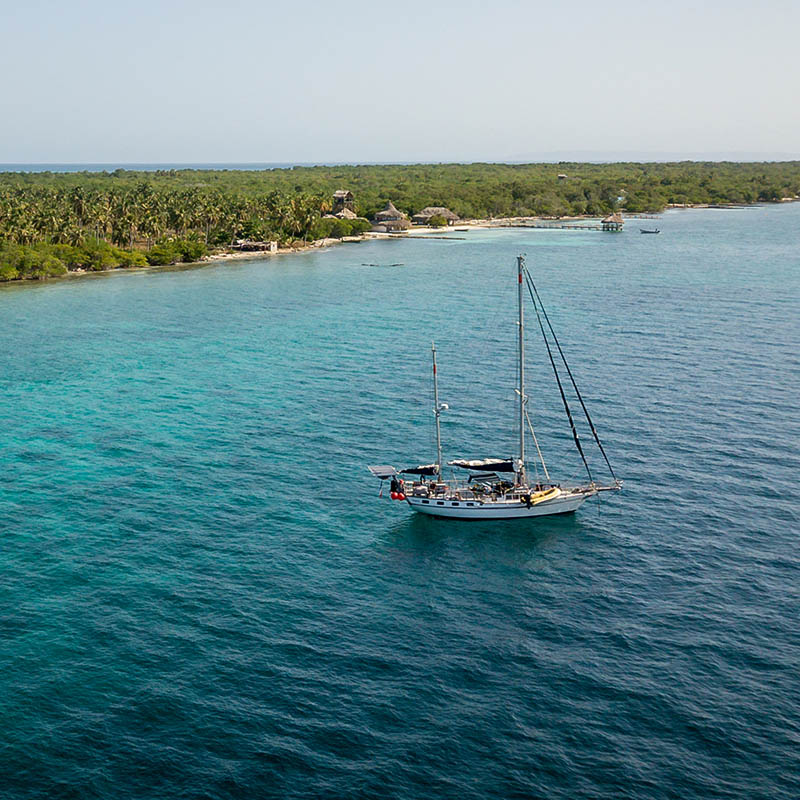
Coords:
587,157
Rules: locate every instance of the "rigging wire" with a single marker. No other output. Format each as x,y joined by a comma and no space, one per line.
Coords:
536,442
532,285
558,379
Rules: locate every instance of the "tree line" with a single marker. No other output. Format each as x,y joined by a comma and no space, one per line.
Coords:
47,230
53,222
146,213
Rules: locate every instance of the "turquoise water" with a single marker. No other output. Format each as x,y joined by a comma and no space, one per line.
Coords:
203,596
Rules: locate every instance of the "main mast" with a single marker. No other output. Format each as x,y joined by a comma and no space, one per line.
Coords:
520,268
437,411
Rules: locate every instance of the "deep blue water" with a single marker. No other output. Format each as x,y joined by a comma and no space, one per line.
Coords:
203,596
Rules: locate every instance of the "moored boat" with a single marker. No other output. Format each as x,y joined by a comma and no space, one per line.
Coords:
501,488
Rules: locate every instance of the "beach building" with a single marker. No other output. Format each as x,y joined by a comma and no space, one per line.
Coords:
424,216
391,220
613,222
343,199
248,245
344,213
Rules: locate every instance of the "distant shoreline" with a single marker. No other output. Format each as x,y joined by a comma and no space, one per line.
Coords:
498,223
51,223
549,159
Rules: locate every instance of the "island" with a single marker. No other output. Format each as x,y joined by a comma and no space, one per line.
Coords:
53,223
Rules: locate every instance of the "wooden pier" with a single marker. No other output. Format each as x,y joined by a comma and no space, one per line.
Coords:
554,225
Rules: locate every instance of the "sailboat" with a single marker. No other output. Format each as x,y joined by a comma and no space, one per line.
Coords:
501,488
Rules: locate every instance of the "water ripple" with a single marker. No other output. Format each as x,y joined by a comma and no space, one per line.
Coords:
203,596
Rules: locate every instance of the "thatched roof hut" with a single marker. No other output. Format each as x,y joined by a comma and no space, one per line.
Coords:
343,199
344,213
613,222
390,213
435,211
391,226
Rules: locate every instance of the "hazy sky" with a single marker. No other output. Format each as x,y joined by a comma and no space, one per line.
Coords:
255,80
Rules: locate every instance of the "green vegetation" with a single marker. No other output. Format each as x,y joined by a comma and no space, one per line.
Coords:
45,260
53,222
171,251
338,228
437,221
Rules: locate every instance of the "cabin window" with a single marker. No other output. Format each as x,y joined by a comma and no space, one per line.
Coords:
425,502
439,503
470,504
455,504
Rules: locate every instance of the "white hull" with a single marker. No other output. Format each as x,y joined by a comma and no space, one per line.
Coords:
499,509
491,493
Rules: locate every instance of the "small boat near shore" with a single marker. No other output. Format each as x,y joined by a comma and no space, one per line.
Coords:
648,230
501,488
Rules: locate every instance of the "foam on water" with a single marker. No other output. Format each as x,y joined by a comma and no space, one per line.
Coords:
202,595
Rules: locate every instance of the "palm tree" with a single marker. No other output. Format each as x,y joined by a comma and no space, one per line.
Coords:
77,201
210,212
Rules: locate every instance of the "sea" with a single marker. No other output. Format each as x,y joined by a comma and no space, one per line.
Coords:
204,594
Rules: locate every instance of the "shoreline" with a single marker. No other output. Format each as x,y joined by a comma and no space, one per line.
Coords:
465,226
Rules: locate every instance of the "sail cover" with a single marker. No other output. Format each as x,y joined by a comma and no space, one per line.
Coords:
486,465
424,469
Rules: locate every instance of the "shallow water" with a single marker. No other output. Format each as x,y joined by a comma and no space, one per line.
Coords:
203,596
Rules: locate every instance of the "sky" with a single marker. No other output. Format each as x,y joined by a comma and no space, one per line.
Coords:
171,81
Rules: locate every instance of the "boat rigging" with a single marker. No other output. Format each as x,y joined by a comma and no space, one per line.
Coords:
499,488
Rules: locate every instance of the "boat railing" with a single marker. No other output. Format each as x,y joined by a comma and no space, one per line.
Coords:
463,490
454,488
